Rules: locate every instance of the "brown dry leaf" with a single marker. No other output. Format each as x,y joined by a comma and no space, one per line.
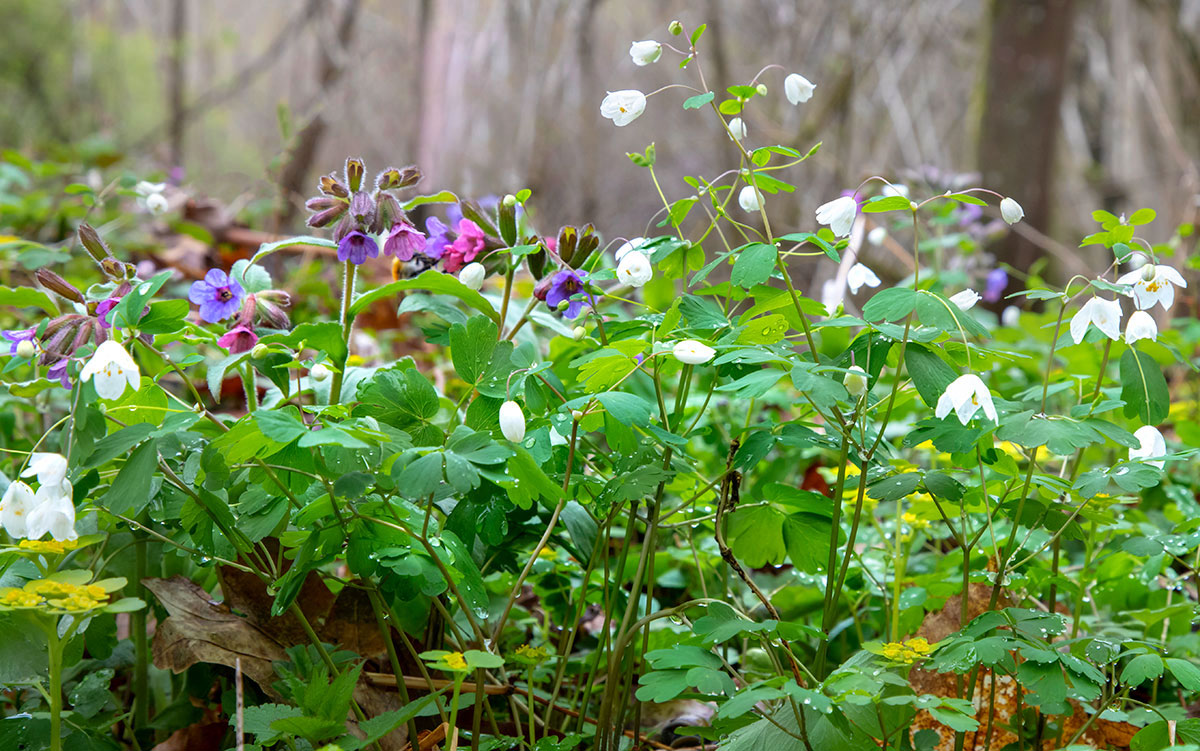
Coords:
201,736
351,624
245,593
200,630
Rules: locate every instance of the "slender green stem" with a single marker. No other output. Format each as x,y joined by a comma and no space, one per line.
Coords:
55,648
141,647
347,322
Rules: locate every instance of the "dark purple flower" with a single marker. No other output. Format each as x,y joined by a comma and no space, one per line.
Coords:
437,238
16,337
997,280
104,307
357,248
403,241
218,296
563,285
239,339
58,372
468,244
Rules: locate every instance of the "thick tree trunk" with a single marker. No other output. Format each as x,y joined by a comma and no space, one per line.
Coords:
1024,83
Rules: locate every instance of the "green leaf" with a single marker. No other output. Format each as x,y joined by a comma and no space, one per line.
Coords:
470,585
165,317
432,281
267,249
533,481
27,297
117,444
699,32
1142,216
723,623
754,384
1185,672
895,487
1141,669
929,372
824,391
1143,388
130,491
698,101
471,347
128,312
754,264
400,396
324,336
444,196
941,485
282,425
755,536
890,203
743,701
891,304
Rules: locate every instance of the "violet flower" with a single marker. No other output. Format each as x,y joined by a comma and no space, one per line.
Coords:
403,241
58,372
357,248
437,237
238,339
103,308
16,337
468,244
563,285
997,280
218,295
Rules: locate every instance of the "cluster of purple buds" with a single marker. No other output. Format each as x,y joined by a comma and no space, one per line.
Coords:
361,215
565,289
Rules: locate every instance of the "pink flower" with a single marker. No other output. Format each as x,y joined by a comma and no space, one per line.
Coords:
239,339
403,241
466,246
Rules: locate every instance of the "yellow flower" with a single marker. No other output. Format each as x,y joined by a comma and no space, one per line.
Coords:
912,521
50,588
76,602
908,652
56,547
919,645
455,661
19,598
532,654
95,591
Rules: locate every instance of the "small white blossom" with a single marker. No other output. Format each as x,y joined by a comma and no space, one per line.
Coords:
965,396
692,352
855,381
472,275
623,107
512,421
797,88
53,512
320,372
877,235
1154,284
838,214
635,269
1010,316
156,204
27,349
150,196
1153,445
113,368
50,469
858,276
737,128
15,507
1105,314
645,52
750,199
1011,211
631,244
832,295
1141,326
966,299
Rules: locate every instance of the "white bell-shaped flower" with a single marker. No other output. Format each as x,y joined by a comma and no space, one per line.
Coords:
797,88
645,52
15,506
855,381
692,352
1154,283
472,275
737,128
1104,314
53,512
1011,211
623,107
860,275
1153,445
112,368
750,199
49,468
634,269
966,299
1141,326
512,421
966,396
838,214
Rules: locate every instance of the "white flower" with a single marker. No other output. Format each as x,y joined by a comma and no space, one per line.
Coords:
144,188
895,189
692,352
797,88
512,421
646,52
855,381
27,349
838,214
877,235
1152,445
631,244
1141,326
966,299
156,204
623,107
832,295
860,275
634,269
53,512
1154,284
15,507
113,368
750,199
472,275
737,128
1010,316
1011,211
1105,314
320,372
50,469
150,196
964,397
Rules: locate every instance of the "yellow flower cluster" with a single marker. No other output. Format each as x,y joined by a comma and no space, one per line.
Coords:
56,594
532,654
19,598
914,522
455,661
907,652
55,547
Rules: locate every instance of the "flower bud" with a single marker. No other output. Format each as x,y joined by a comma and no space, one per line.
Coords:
542,288
508,220
1148,272
320,372
576,415
26,348
113,268
395,179
58,285
156,204
578,333
354,174
92,242
326,217
568,238
675,28
1011,211
330,185
259,351
362,208
388,210
761,89
855,381
512,421
472,275
272,315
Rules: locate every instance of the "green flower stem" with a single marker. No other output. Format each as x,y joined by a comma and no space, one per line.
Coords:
508,281
532,718
141,646
249,387
347,322
831,564
376,598
453,729
55,647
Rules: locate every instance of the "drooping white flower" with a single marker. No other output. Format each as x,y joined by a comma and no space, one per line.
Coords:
1010,316
320,372
472,275
797,88
832,295
966,299
855,381
838,214
150,196
860,275
632,243
877,235
54,512
1105,314
512,421
623,107
113,368
750,199
157,204
635,269
737,128
645,52
1141,326
692,352
964,397
1152,445
50,468
1011,211
1154,283
15,506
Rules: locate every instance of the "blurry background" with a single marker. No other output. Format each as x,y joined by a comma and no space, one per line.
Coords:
1067,106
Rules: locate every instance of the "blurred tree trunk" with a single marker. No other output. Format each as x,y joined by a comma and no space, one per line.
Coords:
175,81
1026,64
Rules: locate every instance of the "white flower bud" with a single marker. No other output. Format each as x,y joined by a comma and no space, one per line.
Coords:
26,348
320,372
576,415
855,381
156,203
750,199
966,299
797,88
692,352
260,351
1011,211
472,275
1010,316
877,235
737,128
646,52
578,333
761,89
512,421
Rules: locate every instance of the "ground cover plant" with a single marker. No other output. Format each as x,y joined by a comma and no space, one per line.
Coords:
620,492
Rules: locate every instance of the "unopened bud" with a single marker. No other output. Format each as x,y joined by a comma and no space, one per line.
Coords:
259,351
320,373
58,285
92,242
762,89
578,333
354,174
1148,272
362,207
112,268
508,220
675,28
564,304
330,185
472,275
512,421
26,348
855,381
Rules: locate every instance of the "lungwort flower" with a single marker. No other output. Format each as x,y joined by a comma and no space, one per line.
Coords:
218,295
839,215
1153,445
797,88
357,247
1104,314
860,275
623,107
17,337
635,269
1141,326
563,286
403,241
965,396
645,52
469,243
112,368
1154,283
239,339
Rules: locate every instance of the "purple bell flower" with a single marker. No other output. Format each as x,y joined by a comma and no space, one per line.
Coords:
437,238
403,241
563,285
218,295
357,248
997,280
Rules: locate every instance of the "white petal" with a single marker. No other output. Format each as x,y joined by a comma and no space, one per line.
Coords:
858,275
1171,275
1011,211
797,88
692,352
512,421
966,299
1141,326
750,199
1080,322
1107,317
945,404
110,384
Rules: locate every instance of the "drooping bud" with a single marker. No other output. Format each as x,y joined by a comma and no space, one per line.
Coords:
326,217
259,351
578,333
536,261
396,179
331,186
542,288
855,381
58,285
343,228
507,212
92,243
512,421
249,308
26,349
762,89
354,174
675,28
322,203
320,372
362,208
273,316
472,275
388,210
568,238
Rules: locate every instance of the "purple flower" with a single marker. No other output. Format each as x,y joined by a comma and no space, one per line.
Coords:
563,285
218,296
104,307
58,371
403,241
16,337
357,248
239,339
437,239
997,280
466,246
967,214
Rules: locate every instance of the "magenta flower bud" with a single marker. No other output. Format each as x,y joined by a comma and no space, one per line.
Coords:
272,315
239,339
